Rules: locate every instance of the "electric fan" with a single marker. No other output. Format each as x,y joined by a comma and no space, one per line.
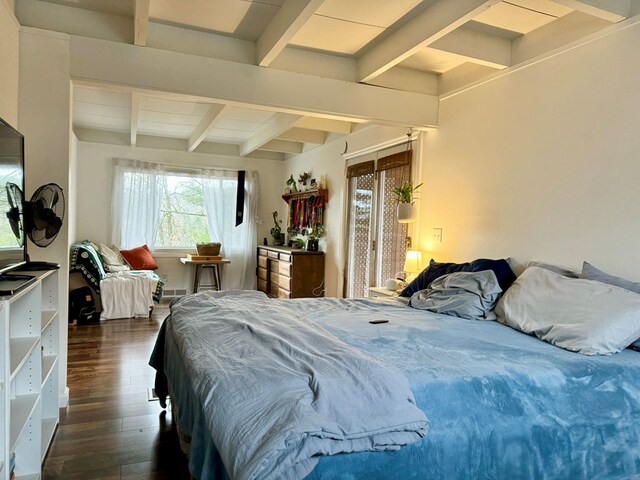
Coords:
44,214
15,198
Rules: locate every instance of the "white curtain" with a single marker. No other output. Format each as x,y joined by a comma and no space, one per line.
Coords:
136,202
238,243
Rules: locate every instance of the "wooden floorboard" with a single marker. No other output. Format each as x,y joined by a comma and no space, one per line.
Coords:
110,431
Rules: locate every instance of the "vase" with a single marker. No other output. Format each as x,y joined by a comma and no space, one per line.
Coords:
279,240
312,245
406,213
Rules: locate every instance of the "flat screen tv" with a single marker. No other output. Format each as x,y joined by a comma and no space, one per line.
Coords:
12,242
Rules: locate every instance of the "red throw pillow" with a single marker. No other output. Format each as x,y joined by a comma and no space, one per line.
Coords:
140,258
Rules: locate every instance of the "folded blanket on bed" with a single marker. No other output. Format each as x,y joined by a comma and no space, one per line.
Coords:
279,391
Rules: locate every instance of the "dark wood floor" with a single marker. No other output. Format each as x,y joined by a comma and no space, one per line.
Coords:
110,430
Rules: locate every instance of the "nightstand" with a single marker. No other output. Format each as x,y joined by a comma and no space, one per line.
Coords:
382,292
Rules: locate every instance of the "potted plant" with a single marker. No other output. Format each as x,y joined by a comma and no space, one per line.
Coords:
276,231
314,235
405,196
298,242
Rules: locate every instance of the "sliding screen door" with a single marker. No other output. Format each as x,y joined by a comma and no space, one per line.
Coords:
360,180
376,242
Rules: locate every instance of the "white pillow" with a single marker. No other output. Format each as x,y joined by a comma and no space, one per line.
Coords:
583,316
113,260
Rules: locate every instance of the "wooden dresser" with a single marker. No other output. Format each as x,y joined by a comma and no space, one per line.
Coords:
285,272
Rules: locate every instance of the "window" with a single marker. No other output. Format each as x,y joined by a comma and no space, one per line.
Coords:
171,207
376,241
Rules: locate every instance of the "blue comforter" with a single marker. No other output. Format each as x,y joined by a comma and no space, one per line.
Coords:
501,404
278,391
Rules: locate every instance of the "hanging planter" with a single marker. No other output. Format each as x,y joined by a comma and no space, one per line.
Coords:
405,196
406,213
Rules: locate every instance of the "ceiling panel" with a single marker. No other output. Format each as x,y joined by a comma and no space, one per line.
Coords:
164,129
512,17
169,118
244,19
101,122
544,6
222,135
101,110
379,13
156,104
333,35
432,60
123,8
101,97
248,114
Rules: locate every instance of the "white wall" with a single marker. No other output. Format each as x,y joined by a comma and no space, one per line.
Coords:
9,41
45,122
542,163
328,160
94,183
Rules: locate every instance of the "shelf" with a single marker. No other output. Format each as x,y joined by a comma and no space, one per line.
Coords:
47,317
322,192
20,348
48,362
21,409
48,429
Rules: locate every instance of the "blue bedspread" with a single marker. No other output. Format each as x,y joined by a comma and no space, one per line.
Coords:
278,391
501,404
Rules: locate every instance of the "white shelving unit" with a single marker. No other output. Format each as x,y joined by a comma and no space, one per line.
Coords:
30,339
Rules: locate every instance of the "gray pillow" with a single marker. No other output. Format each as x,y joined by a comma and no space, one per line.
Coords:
592,273
592,318
470,295
565,272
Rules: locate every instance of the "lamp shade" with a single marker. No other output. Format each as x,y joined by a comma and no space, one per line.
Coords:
413,261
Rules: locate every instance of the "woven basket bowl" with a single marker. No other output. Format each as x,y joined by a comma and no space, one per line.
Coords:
208,248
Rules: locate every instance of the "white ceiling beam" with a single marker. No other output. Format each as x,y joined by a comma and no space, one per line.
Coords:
276,127
304,135
610,10
209,121
430,25
282,146
291,17
478,47
141,22
325,125
563,31
150,70
135,112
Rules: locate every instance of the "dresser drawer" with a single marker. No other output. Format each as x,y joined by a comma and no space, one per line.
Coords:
282,293
284,282
262,285
285,257
274,291
262,274
271,254
284,268
280,280
262,262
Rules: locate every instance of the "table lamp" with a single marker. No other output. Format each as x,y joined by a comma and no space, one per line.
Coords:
412,263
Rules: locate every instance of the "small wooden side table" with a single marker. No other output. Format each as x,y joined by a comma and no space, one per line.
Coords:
214,265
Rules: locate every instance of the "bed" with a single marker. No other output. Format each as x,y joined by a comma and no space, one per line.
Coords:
499,403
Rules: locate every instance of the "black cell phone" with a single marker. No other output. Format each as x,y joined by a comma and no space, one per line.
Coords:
378,321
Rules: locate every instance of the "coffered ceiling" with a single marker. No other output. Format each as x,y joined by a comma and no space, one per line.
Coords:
428,47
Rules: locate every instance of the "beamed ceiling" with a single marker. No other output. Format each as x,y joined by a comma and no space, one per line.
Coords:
428,47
